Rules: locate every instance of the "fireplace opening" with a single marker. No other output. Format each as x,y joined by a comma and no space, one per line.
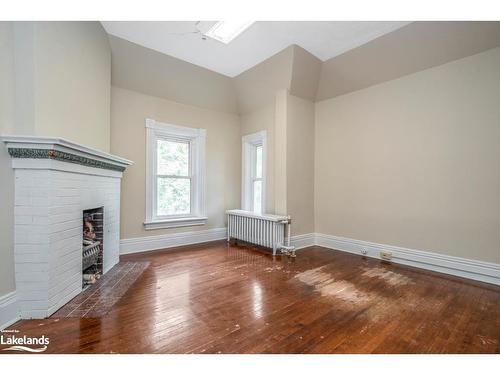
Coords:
92,245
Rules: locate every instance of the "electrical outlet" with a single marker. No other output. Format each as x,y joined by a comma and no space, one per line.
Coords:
386,255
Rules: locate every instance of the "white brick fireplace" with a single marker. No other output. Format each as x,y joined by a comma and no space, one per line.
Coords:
55,181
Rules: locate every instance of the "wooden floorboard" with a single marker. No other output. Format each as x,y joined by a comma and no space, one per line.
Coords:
220,298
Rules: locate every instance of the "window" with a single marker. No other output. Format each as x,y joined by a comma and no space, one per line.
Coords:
174,176
226,31
254,175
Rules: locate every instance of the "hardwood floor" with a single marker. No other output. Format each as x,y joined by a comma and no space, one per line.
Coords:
216,298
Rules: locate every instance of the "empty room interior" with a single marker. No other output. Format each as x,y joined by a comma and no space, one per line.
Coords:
250,187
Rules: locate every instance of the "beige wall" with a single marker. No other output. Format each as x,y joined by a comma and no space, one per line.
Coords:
6,76
280,152
62,81
414,162
255,121
7,283
300,164
72,82
129,110
257,87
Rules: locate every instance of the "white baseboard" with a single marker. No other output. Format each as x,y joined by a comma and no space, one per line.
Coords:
137,245
9,310
303,240
468,268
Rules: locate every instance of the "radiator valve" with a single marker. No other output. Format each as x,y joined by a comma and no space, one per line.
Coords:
288,250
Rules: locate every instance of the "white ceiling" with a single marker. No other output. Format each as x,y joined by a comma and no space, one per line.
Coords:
181,39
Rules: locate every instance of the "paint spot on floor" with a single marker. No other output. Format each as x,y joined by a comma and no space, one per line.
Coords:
344,290
486,340
390,277
314,276
274,268
325,283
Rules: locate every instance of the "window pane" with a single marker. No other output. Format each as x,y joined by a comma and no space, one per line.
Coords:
257,196
258,162
174,196
173,158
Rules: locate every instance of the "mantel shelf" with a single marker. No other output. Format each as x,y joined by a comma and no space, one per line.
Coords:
60,149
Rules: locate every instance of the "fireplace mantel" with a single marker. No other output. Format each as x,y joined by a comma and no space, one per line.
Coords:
55,181
50,151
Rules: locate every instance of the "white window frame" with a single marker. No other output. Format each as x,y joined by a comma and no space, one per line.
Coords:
249,143
196,138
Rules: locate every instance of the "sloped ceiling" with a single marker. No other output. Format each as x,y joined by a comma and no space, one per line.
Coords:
412,48
263,39
418,46
153,73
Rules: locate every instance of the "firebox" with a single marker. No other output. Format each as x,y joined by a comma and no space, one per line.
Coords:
92,245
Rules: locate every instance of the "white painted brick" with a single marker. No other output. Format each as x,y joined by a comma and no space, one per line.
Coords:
30,238
65,201
38,257
41,220
33,295
27,313
68,263
32,276
62,277
32,285
24,181
69,192
69,291
74,232
32,267
22,201
59,288
60,218
31,229
62,296
34,305
23,219
39,202
58,209
41,182
66,225
50,205
33,211
23,192
31,248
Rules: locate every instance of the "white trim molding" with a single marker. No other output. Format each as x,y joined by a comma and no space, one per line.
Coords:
176,223
451,265
25,142
303,240
196,138
249,143
9,310
140,244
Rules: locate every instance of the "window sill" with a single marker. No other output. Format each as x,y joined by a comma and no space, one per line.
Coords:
176,223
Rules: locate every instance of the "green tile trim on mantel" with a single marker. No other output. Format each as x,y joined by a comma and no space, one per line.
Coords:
40,153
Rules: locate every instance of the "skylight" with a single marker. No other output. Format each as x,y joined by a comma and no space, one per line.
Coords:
226,31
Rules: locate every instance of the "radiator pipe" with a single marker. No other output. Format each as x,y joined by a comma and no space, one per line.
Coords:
288,249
